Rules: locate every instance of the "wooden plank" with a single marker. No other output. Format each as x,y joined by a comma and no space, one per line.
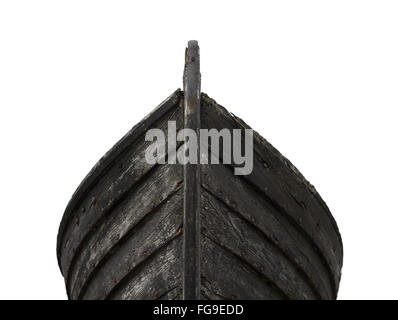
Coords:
117,183
225,277
157,275
123,221
106,161
191,242
238,196
277,180
150,236
230,230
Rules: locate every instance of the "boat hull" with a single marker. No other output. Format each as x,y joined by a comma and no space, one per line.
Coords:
265,235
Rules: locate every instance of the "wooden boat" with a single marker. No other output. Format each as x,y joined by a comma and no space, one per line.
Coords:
134,230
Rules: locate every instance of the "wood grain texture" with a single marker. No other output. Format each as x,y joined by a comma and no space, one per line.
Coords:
145,207
134,230
281,185
231,230
263,236
191,237
85,196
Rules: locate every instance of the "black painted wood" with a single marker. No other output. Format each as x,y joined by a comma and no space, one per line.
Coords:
168,231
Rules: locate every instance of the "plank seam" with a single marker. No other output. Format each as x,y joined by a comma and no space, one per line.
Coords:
260,140
124,281
296,226
166,292
264,278
105,163
291,260
291,220
102,220
109,254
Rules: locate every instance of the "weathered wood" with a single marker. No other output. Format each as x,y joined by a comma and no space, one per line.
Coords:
238,196
110,188
224,276
230,229
278,181
134,230
191,242
76,207
149,236
123,222
159,273
119,183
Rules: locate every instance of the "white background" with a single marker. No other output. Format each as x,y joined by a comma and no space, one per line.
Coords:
318,79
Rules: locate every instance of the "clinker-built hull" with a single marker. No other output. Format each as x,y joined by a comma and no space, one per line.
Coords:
135,230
